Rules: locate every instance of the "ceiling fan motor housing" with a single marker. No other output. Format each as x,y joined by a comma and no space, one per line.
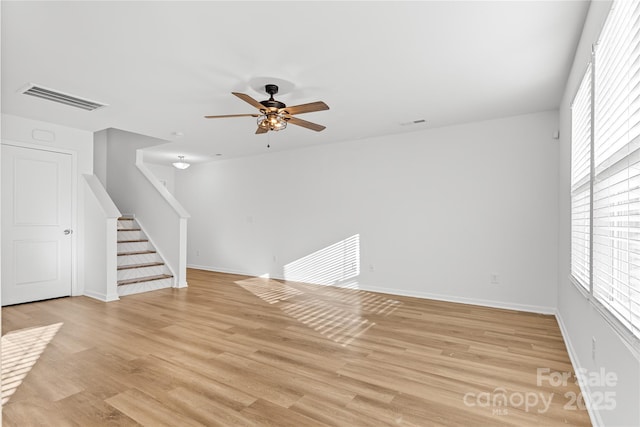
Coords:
272,103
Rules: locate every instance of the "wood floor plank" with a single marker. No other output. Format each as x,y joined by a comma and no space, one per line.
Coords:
35,412
268,414
302,384
331,414
85,410
233,376
307,368
148,411
234,350
207,410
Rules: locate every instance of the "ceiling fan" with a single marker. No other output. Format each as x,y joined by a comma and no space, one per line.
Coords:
274,115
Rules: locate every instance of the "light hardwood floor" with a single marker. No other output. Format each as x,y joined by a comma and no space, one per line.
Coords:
235,350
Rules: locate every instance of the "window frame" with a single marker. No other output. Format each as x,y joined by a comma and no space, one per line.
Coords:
626,332
585,287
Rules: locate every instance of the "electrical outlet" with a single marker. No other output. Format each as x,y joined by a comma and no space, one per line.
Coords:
494,279
275,259
371,268
197,253
593,348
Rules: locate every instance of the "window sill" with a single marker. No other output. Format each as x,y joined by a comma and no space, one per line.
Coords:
585,292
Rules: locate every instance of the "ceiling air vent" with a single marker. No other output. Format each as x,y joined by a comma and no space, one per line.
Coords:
413,122
62,98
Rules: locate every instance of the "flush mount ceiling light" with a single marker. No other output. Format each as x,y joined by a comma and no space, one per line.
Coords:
181,164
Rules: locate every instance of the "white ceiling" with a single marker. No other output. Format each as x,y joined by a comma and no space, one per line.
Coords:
162,66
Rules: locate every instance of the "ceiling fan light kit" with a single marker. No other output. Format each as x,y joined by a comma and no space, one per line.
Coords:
275,115
272,121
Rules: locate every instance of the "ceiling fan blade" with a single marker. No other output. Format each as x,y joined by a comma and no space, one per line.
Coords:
306,108
231,115
305,124
250,100
261,130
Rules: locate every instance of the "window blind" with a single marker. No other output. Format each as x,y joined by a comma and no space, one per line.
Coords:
581,182
616,186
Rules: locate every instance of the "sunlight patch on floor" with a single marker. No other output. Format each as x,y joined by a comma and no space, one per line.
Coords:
339,325
269,290
20,351
365,301
336,313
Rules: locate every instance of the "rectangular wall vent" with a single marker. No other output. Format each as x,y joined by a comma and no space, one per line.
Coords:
62,98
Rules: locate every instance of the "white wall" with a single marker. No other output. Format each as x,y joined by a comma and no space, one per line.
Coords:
100,156
437,211
165,174
578,318
122,173
80,144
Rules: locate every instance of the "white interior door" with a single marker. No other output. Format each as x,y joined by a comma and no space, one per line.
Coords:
36,224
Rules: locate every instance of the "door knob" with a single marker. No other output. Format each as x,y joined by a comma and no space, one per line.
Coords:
68,231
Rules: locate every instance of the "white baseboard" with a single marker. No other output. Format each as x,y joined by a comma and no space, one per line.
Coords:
100,296
594,415
222,270
472,301
414,294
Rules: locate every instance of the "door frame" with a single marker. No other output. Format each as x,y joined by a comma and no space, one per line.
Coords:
75,289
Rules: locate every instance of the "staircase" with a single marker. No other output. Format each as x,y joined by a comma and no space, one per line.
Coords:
140,267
